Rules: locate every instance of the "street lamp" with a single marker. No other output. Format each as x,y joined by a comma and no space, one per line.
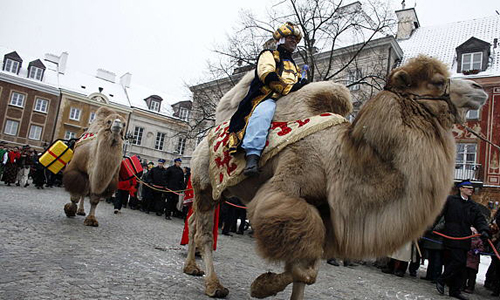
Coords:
129,138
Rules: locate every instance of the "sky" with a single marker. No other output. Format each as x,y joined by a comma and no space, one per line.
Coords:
165,45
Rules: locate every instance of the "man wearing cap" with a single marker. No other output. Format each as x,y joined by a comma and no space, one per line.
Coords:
175,182
276,75
460,213
157,177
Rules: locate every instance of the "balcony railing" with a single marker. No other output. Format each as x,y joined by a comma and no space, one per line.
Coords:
467,171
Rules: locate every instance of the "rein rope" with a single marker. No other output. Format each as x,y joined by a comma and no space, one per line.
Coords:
468,237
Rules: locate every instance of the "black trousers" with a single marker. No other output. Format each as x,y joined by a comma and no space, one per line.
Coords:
147,199
435,267
239,213
227,217
158,201
454,269
470,278
171,204
121,199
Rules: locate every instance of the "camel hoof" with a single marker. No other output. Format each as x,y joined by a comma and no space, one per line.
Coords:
267,284
81,213
91,221
216,290
193,270
70,209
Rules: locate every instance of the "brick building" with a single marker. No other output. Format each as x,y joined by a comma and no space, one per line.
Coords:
29,99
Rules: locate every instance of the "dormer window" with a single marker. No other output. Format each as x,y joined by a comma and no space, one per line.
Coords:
472,61
183,114
154,102
473,56
154,105
35,73
11,66
36,69
12,62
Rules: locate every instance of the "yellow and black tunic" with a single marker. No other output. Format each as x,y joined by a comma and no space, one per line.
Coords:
275,76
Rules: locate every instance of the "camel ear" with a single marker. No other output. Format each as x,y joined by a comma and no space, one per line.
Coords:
401,79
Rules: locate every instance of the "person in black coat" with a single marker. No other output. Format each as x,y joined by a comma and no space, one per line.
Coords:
460,213
147,193
157,177
175,181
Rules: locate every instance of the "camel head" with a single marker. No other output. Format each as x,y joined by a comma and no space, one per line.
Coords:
429,80
115,124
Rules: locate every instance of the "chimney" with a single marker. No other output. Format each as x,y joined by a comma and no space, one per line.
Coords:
63,59
106,75
407,23
60,60
125,80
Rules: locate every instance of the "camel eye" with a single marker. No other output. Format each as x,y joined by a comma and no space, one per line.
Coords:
109,122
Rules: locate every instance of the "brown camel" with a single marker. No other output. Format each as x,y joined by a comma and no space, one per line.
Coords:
349,191
93,171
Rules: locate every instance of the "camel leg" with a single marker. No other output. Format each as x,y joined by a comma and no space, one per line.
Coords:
205,208
190,266
90,220
298,291
70,208
81,209
287,229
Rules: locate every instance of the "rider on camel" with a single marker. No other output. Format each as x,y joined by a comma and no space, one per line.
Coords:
276,75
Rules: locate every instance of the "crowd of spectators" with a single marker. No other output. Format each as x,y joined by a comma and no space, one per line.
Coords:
18,164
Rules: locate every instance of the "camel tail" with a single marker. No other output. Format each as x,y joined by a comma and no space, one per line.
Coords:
76,182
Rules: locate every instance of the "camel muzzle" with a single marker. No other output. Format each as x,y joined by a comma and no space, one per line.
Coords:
117,126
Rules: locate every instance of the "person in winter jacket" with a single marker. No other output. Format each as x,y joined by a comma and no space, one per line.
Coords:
460,213
174,177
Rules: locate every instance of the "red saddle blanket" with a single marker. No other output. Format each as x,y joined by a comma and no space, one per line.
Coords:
227,170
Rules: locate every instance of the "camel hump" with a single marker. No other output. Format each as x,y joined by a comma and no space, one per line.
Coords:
313,99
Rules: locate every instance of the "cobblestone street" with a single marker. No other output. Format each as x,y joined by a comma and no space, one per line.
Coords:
45,255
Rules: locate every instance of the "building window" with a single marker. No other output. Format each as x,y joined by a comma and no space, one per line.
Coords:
181,145
17,99
184,114
41,105
138,135
69,135
11,127
154,105
352,77
465,164
472,61
11,66
472,114
91,117
35,73
35,132
74,114
160,140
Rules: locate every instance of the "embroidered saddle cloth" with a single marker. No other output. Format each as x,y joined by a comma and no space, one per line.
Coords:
227,170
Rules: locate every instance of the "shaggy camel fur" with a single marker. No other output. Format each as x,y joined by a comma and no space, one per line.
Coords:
93,171
350,191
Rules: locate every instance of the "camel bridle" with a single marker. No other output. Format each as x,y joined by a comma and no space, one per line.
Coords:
445,96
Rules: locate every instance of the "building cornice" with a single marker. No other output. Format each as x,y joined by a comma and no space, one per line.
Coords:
30,84
84,98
